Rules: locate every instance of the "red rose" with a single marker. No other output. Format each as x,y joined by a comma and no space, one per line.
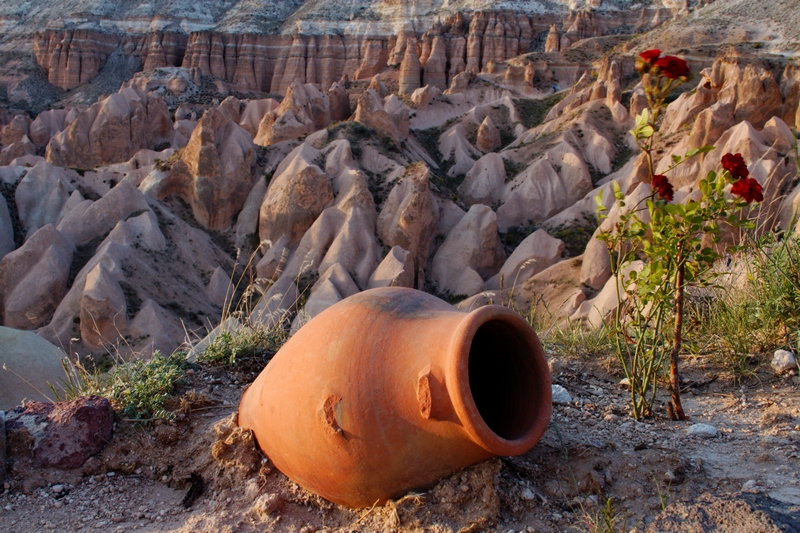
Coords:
646,60
735,165
749,190
663,186
650,56
673,67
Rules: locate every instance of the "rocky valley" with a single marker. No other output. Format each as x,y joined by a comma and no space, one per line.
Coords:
172,170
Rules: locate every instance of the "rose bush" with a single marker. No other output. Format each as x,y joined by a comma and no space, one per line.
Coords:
676,242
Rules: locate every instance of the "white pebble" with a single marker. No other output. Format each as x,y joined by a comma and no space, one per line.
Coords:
705,431
527,494
561,395
783,361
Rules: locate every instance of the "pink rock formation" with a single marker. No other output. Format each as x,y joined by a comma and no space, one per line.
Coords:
488,136
339,102
435,73
408,218
15,130
112,130
537,252
553,41
296,196
410,70
305,109
215,171
396,270
21,148
49,123
370,112
471,253
33,279
73,57
270,63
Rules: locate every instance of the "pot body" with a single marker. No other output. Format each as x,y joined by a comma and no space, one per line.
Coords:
391,389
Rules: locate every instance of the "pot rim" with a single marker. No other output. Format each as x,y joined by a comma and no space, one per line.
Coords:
457,379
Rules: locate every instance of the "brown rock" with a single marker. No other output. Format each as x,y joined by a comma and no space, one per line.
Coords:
488,136
460,83
61,435
339,102
72,57
530,74
374,54
305,109
457,55
422,96
435,73
215,172
370,112
253,113
15,130
377,85
410,70
553,41
408,218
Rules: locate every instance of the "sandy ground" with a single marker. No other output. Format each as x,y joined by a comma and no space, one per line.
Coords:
592,452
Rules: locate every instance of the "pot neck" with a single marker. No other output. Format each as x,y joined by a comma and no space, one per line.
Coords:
498,381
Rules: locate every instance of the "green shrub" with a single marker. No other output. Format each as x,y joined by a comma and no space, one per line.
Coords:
245,343
138,389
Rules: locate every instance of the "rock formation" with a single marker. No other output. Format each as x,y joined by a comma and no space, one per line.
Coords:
33,279
112,130
214,173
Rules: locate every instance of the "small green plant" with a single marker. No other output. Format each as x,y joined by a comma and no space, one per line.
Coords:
237,345
676,243
138,389
604,520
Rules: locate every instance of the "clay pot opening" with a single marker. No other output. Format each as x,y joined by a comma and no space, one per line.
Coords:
504,396
503,379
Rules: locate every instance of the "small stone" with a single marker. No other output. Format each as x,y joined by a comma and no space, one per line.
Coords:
58,488
561,395
705,431
267,504
527,494
749,485
464,488
783,361
625,383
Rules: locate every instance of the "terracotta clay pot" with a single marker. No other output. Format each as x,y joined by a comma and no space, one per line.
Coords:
391,389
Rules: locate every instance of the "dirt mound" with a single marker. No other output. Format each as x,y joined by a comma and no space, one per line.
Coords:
743,513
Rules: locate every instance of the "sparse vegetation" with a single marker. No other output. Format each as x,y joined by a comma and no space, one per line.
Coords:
245,345
532,112
753,310
137,389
